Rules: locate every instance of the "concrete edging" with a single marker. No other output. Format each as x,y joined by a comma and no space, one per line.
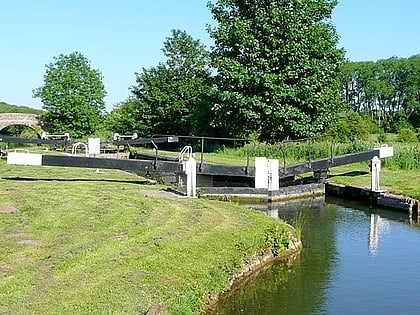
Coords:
261,194
375,198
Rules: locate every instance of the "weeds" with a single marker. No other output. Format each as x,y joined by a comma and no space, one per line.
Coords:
276,239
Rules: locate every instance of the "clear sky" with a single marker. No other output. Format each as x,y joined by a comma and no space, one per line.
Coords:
122,37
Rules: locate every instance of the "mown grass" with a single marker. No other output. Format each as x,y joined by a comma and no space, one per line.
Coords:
397,181
74,241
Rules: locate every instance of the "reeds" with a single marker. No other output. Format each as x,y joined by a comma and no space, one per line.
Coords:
406,155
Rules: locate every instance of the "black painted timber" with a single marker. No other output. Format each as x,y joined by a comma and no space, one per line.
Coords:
139,166
10,139
226,170
140,141
288,170
324,164
284,171
160,166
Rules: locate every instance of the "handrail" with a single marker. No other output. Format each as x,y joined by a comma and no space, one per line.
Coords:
187,149
21,150
310,143
74,148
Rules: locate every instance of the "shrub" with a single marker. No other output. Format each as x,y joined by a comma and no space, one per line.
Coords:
349,128
407,135
382,137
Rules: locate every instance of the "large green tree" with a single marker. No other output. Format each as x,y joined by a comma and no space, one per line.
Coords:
277,67
72,96
168,98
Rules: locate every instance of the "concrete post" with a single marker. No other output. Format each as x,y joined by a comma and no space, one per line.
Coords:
376,169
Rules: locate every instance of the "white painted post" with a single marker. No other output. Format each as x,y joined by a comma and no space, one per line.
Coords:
261,172
191,172
94,146
376,169
273,174
266,173
20,158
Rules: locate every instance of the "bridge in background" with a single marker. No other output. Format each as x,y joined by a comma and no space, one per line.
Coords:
10,119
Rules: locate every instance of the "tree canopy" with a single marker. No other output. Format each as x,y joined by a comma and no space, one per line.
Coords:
72,96
277,67
167,98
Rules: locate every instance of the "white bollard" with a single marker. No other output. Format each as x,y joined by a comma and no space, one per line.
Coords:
266,173
261,172
376,169
191,172
94,146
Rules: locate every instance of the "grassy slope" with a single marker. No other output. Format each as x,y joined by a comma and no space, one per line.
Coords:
74,242
8,108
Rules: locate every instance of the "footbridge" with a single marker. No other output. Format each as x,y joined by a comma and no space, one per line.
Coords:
30,120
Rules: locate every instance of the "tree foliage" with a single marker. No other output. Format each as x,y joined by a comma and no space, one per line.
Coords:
387,90
125,119
72,96
349,128
168,98
277,67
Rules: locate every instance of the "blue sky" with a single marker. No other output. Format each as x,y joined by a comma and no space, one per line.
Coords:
122,37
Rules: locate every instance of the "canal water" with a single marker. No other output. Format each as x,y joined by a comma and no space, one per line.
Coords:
356,260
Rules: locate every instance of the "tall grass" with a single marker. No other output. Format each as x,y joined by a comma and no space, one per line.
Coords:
406,157
297,151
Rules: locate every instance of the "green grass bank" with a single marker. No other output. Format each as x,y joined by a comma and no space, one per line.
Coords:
396,181
74,241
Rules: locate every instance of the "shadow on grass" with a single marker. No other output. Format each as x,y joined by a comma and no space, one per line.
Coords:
17,178
350,174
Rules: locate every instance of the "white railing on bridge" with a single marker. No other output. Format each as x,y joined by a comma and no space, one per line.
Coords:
65,136
118,137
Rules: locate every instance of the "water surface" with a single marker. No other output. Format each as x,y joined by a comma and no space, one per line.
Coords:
356,260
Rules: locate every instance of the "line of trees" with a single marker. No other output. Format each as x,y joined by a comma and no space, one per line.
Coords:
387,91
272,73
275,72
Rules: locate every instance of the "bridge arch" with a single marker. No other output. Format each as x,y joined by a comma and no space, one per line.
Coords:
33,121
